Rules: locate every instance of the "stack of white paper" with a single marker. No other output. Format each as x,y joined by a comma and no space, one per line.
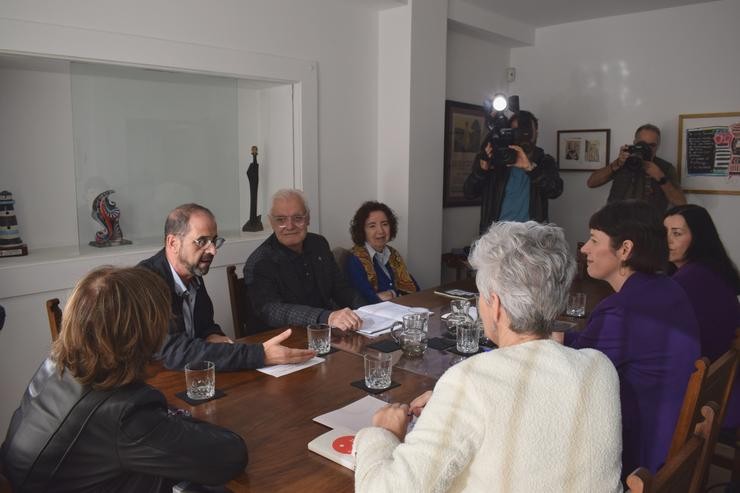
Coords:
282,370
379,318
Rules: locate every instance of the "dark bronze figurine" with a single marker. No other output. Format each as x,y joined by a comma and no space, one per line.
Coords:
253,174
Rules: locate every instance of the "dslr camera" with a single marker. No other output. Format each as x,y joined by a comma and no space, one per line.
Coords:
639,152
500,134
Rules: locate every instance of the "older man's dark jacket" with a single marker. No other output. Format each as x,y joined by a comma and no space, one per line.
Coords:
287,288
179,348
66,437
545,184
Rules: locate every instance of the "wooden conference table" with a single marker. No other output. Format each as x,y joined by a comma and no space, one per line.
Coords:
274,415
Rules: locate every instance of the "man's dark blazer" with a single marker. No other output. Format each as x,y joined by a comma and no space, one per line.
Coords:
178,349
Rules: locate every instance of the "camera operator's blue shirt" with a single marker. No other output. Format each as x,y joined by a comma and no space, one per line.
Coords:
515,206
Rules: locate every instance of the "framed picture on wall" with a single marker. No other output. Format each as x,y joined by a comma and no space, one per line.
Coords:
583,150
709,153
465,129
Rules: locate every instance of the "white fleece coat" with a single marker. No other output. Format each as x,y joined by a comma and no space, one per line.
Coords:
534,417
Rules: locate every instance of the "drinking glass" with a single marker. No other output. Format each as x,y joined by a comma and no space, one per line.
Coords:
319,338
200,379
467,338
378,367
576,305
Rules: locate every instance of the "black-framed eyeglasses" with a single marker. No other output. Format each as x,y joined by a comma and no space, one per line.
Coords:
204,241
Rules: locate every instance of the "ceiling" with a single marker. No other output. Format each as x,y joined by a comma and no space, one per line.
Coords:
541,13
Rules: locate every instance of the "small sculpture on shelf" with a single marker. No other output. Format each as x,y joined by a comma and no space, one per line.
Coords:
253,174
11,244
108,215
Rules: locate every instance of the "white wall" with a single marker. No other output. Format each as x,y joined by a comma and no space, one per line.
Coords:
476,69
620,72
340,36
36,144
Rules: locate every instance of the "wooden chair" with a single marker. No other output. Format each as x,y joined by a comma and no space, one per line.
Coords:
341,255
686,471
710,382
240,305
55,317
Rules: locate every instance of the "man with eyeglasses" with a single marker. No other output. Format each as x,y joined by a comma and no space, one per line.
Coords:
190,244
292,278
646,177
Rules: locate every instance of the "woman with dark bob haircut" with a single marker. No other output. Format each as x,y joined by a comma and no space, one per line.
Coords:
647,328
375,269
704,270
88,422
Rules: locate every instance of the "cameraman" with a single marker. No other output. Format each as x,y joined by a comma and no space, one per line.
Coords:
518,191
641,175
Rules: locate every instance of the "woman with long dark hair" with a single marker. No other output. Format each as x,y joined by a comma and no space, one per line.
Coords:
702,267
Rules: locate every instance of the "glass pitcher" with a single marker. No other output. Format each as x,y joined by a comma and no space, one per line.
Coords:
459,316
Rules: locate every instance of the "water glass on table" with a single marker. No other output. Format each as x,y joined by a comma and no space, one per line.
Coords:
378,368
319,338
467,338
576,305
200,379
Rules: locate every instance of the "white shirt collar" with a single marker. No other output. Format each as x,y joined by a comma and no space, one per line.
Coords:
180,287
383,257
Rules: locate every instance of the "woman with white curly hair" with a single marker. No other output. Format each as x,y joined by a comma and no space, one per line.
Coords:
532,415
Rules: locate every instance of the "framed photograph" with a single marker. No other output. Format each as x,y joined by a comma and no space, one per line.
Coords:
583,150
709,153
465,129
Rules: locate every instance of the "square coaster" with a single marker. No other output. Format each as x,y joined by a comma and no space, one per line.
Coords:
184,396
360,384
441,343
386,346
454,350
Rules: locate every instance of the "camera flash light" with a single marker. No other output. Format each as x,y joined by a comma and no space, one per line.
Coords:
499,102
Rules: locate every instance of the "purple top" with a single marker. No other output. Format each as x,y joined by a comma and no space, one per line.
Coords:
649,331
718,313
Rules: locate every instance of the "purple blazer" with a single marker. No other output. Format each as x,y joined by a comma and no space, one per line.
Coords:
649,331
718,313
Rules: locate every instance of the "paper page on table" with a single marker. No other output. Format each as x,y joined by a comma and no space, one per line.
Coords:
388,309
374,325
282,370
353,416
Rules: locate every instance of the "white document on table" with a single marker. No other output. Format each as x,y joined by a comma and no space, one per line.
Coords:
353,416
282,370
378,319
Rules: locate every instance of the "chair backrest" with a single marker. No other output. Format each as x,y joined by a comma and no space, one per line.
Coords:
341,255
708,383
240,305
55,317
686,471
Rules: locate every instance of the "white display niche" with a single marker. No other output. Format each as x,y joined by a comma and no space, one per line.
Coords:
159,122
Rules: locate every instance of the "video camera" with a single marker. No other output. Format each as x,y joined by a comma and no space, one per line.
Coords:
500,134
639,152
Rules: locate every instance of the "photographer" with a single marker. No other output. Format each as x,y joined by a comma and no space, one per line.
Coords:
639,174
517,187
